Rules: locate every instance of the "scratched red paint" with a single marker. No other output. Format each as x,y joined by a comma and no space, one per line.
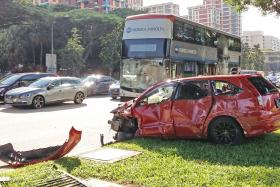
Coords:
255,111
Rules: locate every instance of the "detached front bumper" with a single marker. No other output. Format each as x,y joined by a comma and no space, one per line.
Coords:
22,158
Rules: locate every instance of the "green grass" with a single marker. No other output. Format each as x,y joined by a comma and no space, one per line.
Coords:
174,163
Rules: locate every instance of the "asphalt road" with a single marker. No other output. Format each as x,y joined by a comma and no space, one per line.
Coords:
29,129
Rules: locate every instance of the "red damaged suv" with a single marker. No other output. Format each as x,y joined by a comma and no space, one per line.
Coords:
224,109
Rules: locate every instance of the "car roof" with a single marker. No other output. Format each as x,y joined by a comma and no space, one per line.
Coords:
60,78
98,76
228,78
33,73
213,77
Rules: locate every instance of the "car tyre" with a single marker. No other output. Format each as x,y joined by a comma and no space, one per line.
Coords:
114,97
38,102
79,98
225,131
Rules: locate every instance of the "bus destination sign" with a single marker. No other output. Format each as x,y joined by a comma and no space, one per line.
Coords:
148,28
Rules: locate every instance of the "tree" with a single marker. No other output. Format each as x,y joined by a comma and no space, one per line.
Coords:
111,49
25,33
124,12
17,13
71,55
93,27
267,6
252,58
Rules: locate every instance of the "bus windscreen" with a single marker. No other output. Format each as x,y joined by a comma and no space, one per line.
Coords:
144,48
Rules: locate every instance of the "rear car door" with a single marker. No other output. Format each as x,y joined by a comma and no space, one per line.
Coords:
68,89
191,106
55,93
104,84
226,96
153,111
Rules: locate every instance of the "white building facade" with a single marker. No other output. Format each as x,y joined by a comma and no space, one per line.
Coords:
252,38
135,4
164,8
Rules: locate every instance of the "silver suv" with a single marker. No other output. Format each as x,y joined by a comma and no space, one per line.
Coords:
47,90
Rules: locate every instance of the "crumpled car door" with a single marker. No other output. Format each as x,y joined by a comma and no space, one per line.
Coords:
191,108
154,112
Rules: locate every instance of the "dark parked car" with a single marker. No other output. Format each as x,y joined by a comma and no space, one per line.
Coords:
98,84
114,90
12,81
224,109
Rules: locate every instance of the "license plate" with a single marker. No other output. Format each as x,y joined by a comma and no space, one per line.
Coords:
277,103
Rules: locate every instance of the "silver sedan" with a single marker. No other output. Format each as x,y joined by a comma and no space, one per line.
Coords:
47,90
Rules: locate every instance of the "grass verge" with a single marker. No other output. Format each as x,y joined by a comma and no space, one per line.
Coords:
173,163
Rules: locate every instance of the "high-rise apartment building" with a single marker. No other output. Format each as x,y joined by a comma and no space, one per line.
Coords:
104,6
252,38
134,4
164,8
216,14
56,2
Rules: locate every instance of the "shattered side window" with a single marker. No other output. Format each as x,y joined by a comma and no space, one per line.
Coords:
160,94
225,88
193,90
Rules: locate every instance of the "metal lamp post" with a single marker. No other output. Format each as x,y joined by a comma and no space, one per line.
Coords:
52,38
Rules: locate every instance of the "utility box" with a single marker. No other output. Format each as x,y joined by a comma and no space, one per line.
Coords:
51,63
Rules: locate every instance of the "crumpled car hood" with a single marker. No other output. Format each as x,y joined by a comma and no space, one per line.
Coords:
123,107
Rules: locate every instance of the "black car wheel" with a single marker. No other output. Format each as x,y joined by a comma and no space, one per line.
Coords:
113,97
38,102
225,130
79,98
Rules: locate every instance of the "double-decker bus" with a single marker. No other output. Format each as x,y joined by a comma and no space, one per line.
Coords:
158,47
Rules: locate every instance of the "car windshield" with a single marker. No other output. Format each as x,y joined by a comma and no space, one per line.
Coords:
41,83
10,79
5,77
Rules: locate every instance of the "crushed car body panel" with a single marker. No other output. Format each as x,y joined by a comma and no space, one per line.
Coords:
22,158
188,107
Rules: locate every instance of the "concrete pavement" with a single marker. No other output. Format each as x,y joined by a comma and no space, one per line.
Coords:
30,129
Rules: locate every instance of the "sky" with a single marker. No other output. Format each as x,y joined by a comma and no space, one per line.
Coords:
252,19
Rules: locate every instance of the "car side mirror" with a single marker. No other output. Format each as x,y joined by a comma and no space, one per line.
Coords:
19,84
50,87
